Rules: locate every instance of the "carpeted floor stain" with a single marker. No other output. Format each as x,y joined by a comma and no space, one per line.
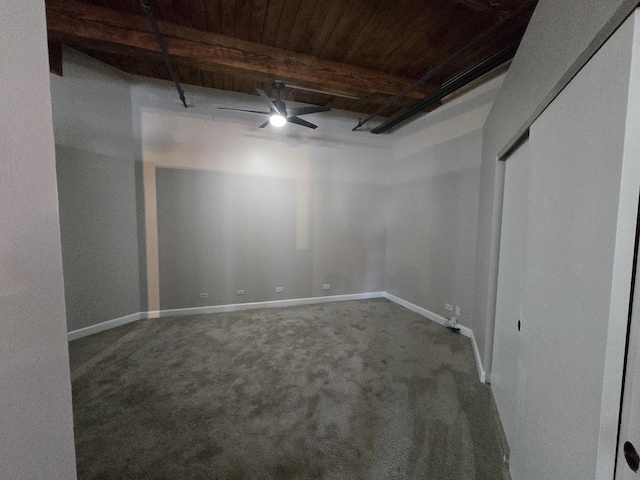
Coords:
348,390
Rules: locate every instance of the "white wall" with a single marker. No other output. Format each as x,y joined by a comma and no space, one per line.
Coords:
97,190
432,205
560,38
420,235
573,31
342,210
332,230
577,247
92,107
35,393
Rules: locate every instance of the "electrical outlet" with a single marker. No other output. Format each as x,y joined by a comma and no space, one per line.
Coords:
279,289
448,307
457,310
204,295
326,286
239,292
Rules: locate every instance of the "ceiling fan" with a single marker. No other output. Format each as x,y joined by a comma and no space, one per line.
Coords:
278,113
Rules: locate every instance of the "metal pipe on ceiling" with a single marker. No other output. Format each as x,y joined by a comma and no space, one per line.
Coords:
452,59
451,86
323,92
175,76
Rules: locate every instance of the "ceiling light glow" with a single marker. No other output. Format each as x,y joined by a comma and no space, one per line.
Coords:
278,120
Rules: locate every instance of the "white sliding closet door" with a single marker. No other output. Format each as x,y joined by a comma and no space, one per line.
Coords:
504,374
566,255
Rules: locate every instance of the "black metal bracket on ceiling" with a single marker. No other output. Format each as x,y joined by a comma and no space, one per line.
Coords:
451,86
470,47
146,6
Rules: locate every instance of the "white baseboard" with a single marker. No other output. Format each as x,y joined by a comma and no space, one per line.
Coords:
100,327
235,307
466,331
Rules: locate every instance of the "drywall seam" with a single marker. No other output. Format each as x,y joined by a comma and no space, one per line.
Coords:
466,331
100,327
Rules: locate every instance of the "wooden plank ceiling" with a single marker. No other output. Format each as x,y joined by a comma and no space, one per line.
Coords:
352,48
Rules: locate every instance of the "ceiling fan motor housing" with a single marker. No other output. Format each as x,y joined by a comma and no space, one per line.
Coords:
278,86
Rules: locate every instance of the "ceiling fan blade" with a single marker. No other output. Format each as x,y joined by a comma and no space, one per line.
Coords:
299,121
294,112
242,110
265,124
268,101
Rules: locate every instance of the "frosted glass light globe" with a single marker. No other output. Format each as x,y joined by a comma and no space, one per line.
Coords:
277,120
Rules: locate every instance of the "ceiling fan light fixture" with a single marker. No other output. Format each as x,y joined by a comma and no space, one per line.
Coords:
278,120
279,114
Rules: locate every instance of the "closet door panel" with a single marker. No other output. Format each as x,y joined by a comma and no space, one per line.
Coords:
504,374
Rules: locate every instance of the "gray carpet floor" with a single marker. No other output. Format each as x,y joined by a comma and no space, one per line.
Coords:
348,390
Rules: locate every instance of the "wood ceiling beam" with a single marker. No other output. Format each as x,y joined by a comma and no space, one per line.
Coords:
485,6
500,8
85,25
55,58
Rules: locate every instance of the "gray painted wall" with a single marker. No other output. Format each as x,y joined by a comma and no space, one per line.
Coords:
431,167
220,232
432,212
233,207
98,231
97,191
432,205
35,393
348,236
560,38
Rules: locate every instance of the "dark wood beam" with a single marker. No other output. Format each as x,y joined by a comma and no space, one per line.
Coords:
485,6
497,8
86,25
55,58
